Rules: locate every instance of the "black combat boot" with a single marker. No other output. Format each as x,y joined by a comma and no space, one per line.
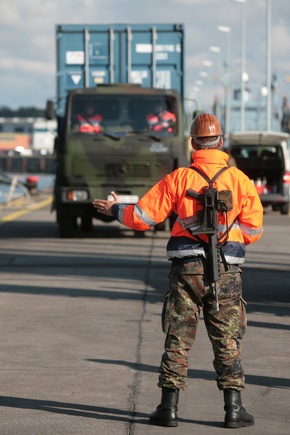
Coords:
236,416
166,412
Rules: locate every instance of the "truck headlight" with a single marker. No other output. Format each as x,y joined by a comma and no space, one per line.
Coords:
77,195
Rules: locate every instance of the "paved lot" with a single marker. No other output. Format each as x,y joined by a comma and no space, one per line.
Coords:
81,339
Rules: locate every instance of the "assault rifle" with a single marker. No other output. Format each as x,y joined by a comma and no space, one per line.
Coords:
212,201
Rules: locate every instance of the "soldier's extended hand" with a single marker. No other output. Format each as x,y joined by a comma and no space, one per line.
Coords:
104,206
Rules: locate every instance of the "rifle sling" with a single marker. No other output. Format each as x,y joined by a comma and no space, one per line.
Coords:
210,182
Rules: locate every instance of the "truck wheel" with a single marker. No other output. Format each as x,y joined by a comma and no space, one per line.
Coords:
284,208
67,226
86,224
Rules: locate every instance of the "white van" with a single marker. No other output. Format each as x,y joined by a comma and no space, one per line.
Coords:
264,156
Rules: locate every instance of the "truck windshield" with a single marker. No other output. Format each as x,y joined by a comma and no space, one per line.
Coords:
123,115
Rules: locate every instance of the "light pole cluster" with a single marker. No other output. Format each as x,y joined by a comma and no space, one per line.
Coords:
243,63
243,74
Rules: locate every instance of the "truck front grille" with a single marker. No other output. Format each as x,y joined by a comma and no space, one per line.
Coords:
114,167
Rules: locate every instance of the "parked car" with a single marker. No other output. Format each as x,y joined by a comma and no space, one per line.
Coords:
264,156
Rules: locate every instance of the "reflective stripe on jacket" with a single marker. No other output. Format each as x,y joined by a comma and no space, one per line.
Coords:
169,195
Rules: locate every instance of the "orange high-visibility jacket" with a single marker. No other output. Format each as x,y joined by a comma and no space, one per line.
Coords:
163,121
90,124
169,195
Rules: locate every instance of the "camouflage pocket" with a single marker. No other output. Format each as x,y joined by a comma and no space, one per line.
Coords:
165,316
243,318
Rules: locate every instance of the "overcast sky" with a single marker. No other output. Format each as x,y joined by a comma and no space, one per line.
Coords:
27,40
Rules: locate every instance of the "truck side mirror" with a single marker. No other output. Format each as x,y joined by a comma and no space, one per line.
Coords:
49,110
57,145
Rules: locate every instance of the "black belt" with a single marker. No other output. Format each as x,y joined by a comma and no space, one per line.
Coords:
184,260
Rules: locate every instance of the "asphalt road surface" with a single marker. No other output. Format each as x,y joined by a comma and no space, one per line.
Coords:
81,337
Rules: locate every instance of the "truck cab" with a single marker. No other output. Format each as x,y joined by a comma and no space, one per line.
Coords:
124,144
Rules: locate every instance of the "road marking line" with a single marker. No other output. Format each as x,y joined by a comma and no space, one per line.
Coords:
16,214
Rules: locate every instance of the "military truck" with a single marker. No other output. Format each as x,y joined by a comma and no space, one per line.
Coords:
123,72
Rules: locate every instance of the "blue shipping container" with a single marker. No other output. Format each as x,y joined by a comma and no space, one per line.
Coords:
89,55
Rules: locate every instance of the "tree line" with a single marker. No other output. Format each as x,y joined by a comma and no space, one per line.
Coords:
21,112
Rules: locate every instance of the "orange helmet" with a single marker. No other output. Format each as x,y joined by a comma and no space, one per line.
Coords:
205,125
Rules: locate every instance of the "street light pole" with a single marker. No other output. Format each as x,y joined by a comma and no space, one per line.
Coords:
227,30
208,65
269,67
217,50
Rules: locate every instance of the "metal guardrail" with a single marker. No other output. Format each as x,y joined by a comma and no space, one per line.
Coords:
27,164
13,183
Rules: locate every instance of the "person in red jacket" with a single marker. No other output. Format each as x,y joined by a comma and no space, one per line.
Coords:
161,119
89,121
190,286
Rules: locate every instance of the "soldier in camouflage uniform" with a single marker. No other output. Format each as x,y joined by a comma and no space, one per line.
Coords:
191,285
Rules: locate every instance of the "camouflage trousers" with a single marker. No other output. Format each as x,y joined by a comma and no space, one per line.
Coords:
189,293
